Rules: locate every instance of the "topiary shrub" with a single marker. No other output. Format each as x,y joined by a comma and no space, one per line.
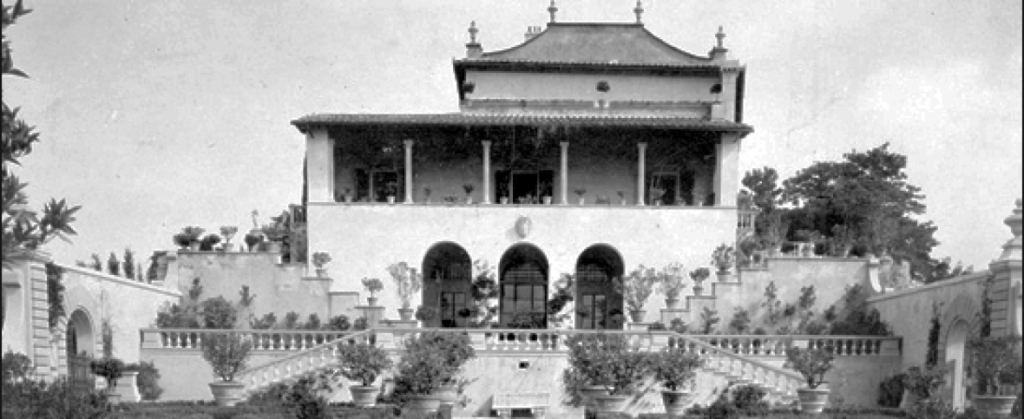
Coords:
890,391
149,381
218,313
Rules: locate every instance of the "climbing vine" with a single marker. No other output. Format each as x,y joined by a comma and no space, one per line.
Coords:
932,356
55,294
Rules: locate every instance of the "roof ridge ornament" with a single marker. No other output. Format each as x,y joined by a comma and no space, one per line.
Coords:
472,32
720,36
552,9
639,10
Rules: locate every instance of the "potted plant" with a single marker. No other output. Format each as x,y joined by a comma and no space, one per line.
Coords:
372,286
208,242
227,353
319,260
430,368
676,369
545,192
428,315
189,238
622,197
656,195
228,232
636,288
842,240
407,283
469,192
347,196
110,369
997,361
698,276
363,363
619,366
724,258
580,192
921,383
251,240
390,191
275,234
671,283
484,291
426,194
812,364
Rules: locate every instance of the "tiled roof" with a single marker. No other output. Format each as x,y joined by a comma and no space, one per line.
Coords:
465,119
597,43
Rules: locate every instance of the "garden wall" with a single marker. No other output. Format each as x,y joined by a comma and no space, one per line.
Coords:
279,288
128,305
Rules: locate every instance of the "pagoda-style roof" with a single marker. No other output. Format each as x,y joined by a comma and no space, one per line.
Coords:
476,120
614,44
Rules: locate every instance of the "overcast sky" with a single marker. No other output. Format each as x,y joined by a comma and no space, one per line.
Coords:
157,115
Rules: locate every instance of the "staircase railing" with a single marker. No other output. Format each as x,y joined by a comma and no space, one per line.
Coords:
296,365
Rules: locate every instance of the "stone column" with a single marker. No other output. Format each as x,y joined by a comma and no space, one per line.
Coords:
408,172
727,179
487,171
319,166
563,175
641,172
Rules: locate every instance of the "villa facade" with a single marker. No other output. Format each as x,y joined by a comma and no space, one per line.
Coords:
572,153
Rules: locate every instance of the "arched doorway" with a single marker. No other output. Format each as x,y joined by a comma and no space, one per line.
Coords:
598,306
447,277
523,277
80,341
958,361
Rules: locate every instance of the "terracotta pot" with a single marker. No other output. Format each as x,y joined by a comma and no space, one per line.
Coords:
391,199
364,396
422,404
193,246
675,401
637,315
503,200
448,394
671,303
725,276
227,393
698,290
371,301
998,406
546,200
405,313
321,272
229,247
610,404
813,401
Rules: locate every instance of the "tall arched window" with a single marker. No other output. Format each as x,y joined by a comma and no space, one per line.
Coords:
447,276
598,306
524,288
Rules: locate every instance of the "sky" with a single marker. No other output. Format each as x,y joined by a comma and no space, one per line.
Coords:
158,115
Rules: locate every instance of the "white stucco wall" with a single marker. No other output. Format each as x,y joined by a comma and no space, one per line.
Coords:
364,239
549,86
129,305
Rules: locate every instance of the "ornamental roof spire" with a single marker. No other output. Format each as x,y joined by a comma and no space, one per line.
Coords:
552,9
639,10
721,38
472,32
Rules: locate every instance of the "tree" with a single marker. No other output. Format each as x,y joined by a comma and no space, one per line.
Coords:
867,192
23,230
113,265
129,263
763,186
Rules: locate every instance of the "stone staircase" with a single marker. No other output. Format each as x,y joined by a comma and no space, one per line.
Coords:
293,367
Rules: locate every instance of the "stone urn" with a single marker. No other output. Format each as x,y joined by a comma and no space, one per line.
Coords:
364,396
813,400
227,393
994,406
127,387
675,401
405,313
637,315
371,301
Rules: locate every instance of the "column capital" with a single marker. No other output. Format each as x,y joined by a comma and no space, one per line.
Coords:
564,143
485,143
408,142
642,145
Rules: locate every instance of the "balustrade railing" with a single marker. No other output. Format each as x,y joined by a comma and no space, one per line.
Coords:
296,365
776,345
262,340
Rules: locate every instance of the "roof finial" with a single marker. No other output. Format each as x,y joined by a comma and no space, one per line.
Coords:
472,32
721,38
639,10
552,9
